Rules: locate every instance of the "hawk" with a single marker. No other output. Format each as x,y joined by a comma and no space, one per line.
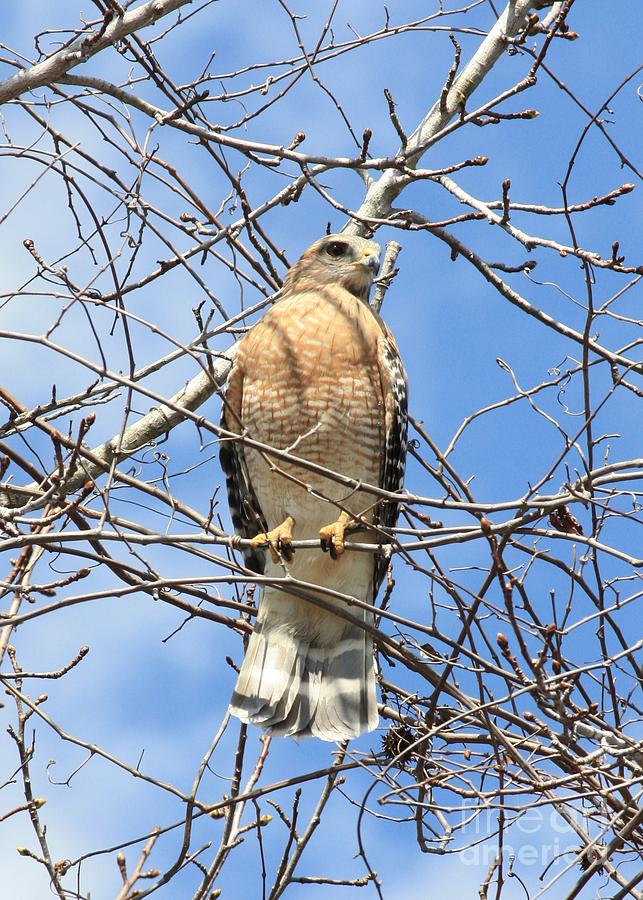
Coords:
321,377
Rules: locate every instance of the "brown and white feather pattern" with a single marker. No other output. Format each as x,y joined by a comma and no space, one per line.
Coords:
321,377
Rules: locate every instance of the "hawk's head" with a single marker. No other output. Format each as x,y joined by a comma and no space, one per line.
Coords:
336,259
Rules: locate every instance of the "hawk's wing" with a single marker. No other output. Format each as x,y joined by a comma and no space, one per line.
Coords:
394,392
245,510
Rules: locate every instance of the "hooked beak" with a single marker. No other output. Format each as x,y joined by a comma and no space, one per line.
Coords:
370,261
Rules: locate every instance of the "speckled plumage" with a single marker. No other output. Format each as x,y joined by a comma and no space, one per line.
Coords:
321,377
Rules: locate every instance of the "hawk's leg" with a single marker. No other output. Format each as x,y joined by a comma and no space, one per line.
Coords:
332,536
279,540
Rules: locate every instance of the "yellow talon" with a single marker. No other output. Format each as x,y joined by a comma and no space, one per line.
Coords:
332,536
278,541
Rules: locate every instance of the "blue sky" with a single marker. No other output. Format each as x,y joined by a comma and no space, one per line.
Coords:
134,692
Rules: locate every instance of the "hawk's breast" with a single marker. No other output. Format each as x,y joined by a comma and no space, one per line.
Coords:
312,386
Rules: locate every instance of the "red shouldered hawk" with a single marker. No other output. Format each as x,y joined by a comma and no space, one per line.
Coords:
320,376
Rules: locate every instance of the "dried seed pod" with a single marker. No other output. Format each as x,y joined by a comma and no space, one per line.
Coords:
562,520
397,741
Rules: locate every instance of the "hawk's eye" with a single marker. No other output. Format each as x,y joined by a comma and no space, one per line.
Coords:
336,249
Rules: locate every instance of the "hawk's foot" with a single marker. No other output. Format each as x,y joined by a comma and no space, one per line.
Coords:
332,536
278,541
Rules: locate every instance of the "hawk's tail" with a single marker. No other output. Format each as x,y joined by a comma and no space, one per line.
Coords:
295,686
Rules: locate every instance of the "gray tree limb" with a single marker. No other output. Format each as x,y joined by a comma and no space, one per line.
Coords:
58,64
